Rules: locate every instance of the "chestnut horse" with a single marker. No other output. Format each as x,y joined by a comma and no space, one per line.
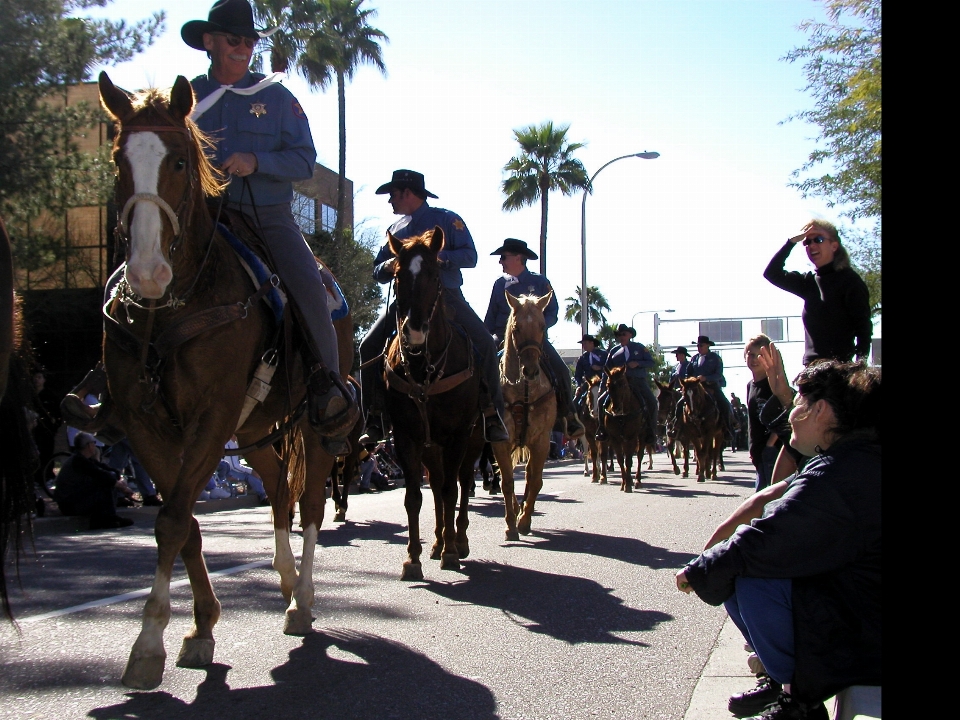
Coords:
625,423
433,390
531,405
185,331
704,427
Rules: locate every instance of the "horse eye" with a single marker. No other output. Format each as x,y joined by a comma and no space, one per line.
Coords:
180,164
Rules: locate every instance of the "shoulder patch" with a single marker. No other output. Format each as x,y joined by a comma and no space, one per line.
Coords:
298,109
458,224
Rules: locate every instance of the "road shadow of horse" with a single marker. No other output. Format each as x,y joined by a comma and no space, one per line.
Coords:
379,688
628,550
572,609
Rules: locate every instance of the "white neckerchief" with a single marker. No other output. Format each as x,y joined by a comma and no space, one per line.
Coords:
211,99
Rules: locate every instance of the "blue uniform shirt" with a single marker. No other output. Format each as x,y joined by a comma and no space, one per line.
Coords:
679,373
585,363
708,366
631,352
271,125
526,283
458,248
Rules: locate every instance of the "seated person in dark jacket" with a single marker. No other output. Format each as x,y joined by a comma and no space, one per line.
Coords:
86,486
802,580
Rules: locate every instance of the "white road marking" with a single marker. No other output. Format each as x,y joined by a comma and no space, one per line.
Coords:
136,594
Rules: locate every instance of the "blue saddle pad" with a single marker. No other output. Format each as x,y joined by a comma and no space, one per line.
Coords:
260,270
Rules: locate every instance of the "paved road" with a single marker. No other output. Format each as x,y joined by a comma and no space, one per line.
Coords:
581,619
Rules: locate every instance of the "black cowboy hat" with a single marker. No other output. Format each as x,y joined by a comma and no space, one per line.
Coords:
681,349
590,338
405,179
623,328
701,339
228,16
512,245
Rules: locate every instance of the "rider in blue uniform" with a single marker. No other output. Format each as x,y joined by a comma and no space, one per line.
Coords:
263,143
408,197
680,369
638,361
518,280
708,366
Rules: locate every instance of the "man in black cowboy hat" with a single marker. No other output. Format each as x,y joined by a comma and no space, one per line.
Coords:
638,361
263,143
680,369
589,365
518,280
408,197
708,366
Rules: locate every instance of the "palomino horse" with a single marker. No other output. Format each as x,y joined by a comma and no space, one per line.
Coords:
588,410
626,423
433,391
531,404
702,423
186,304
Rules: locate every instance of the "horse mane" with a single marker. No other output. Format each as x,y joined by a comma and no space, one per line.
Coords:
212,180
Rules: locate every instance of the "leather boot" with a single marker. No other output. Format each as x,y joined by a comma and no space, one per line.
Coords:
331,407
494,429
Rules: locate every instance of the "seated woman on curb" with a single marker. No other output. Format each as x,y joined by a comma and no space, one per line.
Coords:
802,580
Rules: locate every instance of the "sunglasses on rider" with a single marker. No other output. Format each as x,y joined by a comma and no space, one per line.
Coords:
235,40
818,239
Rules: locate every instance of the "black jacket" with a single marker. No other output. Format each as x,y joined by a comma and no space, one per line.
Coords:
824,534
836,308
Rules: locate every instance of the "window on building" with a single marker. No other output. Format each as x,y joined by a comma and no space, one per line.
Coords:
723,331
304,212
328,218
772,328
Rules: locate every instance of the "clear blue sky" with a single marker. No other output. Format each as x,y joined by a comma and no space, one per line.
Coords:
699,81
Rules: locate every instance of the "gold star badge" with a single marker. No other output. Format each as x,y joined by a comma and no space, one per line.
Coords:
458,224
258,109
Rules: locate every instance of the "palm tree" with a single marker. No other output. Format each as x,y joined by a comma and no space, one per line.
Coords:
293,21
607,335
596,305
344,41
544,164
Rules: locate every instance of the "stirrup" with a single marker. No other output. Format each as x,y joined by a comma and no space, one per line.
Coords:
331,415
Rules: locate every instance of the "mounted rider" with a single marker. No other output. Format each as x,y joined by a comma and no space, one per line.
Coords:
263,143
708,366
518,280
589,365
638,362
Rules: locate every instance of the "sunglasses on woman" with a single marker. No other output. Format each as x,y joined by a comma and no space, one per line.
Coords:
818,239
235,40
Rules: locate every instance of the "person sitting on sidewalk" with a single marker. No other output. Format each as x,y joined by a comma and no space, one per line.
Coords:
87,487
231,467
802,580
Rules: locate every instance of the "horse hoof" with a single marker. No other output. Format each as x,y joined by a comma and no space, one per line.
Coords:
195,653
523,527
638,485
676,472
298,621
435,553
450,561
412,571
144,672
340,516
595,480
628,488
603,481
511,535
463,550
701,480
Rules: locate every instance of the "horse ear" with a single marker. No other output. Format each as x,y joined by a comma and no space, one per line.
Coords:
395,245
436,239
181,98
115,101
513,302
544,301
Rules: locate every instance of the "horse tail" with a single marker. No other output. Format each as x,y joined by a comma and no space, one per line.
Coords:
295,459
520,455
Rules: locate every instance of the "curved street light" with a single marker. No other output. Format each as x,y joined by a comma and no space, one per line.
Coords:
656,323
584,314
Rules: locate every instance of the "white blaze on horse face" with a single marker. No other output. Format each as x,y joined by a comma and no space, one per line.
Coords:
414,335
147,271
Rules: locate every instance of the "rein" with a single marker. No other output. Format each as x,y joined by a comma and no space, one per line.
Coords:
521,408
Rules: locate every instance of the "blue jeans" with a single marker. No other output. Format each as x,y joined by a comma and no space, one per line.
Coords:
118,458
225,472
768,459
762,608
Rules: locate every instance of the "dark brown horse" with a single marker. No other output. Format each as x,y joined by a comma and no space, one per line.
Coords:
703,425
531,406
677,441
186,330
625,422
587,410
433,390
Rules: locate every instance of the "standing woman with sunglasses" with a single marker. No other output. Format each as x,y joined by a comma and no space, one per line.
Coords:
836,302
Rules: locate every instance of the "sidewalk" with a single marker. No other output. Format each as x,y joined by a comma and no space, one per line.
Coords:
726,673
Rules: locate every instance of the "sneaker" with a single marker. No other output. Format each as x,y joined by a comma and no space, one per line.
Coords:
786,708
753,701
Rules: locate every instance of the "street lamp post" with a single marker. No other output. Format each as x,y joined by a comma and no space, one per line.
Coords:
584,316
656,323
